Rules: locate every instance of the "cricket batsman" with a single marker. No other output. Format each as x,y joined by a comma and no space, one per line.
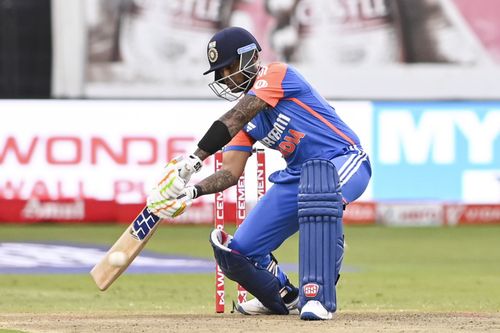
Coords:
326,170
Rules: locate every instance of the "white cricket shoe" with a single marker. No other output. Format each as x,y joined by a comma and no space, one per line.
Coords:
255,307
314,310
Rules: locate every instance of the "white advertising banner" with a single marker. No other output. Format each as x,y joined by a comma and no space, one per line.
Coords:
410,214
114,150
95,149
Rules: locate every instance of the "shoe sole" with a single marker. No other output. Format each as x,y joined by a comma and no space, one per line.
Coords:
292,308
313,316
240,310
246,313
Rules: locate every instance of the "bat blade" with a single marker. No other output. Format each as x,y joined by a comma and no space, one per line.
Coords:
131,242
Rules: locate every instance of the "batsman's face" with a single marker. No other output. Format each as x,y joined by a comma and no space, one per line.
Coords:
233,78
232,81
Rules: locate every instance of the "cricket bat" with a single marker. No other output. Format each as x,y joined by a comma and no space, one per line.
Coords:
131,242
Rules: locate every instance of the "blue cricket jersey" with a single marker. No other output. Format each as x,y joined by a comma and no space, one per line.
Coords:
298,122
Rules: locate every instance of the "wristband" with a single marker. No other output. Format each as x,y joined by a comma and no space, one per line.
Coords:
198,192
216,137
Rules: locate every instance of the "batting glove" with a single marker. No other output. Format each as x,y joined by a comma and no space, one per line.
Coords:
188,166
171,184
167,208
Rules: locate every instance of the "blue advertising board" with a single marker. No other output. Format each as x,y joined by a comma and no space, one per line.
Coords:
436,151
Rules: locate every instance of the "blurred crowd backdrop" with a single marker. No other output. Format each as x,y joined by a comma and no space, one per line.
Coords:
368,49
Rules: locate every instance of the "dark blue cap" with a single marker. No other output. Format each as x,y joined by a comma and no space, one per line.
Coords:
227,45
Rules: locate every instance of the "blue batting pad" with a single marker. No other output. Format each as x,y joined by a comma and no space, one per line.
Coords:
321,240
257,281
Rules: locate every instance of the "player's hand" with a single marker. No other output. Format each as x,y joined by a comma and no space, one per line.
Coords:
168,208
188,165
171,184
176,175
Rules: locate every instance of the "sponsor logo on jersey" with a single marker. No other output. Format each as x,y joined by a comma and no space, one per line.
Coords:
250,126
310,290
260,84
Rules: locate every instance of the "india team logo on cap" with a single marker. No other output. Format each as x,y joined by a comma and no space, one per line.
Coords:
213,54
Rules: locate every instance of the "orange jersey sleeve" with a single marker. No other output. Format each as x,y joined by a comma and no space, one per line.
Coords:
241,141
268,86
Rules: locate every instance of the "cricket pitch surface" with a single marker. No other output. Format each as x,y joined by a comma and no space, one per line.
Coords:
342,322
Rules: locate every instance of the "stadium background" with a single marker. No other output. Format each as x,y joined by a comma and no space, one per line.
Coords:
97,95
418,82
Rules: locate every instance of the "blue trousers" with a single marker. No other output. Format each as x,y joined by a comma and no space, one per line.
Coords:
274,218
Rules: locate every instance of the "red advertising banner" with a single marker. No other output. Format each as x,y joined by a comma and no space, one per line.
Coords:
37,210
360,213
108,211
472,214
86,211
357,213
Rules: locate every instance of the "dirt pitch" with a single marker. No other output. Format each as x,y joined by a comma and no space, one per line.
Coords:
342,322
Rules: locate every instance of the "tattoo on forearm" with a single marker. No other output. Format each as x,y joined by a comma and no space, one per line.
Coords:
201,154
246,109
217,182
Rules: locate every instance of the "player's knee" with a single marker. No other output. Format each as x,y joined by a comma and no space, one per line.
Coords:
242,246
319,191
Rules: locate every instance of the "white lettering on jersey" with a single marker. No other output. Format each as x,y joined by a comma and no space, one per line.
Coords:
275,133
262,71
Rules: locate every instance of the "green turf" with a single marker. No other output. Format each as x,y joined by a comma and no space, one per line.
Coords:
422,269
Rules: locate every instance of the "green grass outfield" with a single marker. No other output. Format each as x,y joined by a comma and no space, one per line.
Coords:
414,269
